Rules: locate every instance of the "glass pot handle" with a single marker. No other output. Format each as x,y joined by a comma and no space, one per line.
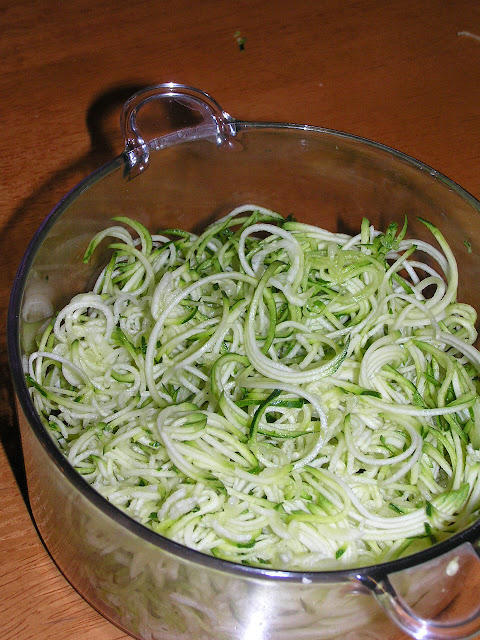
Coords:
450,569
213,120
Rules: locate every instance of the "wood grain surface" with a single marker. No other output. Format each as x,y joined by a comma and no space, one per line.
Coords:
396,72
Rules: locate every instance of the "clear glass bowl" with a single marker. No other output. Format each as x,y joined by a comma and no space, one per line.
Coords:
196,164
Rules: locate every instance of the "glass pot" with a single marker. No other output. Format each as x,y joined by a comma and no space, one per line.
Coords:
186,163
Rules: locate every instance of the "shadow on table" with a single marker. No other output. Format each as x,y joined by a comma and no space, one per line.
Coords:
16,230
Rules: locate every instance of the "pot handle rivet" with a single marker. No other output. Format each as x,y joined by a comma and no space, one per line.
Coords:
211,119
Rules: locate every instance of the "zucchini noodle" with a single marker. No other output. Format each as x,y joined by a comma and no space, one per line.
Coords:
269,392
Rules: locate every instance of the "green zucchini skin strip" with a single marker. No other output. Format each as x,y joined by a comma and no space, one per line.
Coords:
270,392
270,401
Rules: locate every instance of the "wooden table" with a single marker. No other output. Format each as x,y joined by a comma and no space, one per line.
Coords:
404,73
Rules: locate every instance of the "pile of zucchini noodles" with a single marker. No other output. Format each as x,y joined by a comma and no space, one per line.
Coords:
269,392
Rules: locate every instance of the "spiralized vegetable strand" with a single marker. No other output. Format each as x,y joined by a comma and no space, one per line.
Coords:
270,392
